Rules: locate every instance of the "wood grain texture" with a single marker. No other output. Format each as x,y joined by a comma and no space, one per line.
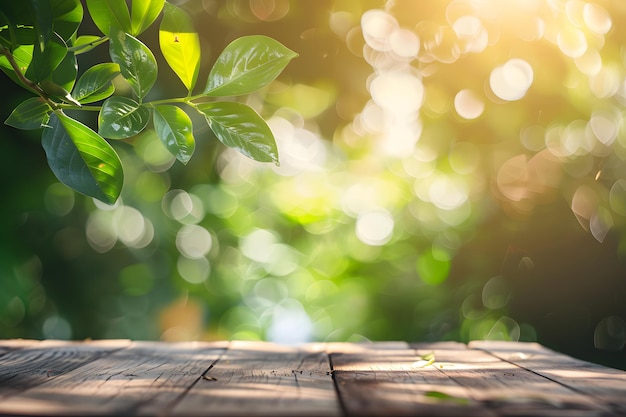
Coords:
605,386
120,377
263,379
511,390
142,378
399,382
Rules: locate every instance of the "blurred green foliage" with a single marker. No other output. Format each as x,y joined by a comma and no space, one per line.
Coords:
449,171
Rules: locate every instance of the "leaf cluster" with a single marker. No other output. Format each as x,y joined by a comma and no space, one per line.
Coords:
39,43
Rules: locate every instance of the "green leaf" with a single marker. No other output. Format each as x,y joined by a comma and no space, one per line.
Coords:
144,13
137,63
86,43
46,61
122,117
174,128
109,14
95,84
81,159
30,114
65,73
67,16
180,44
246,65
23,55
42,11
240,127
56,91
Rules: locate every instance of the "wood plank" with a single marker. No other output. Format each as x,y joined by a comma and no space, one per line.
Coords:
8,345
145,378
508,389
264,379
40,362
606,385
398,382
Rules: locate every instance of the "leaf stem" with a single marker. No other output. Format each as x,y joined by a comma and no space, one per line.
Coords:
33,86
27,83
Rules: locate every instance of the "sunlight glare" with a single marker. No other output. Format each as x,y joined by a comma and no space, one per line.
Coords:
398,92
597,19
468,105
375,228
193,241
377,26
511,80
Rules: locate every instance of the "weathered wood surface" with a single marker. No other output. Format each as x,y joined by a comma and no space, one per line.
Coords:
121,377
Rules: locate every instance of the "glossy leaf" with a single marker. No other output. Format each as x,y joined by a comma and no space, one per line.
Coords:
246,65
122,117
109,14
86,43
56,91
46,61
143,14
95,84
65,73
174,128
67,16
180,44
81,159
240,127
42,12
30,114
22,55
137,63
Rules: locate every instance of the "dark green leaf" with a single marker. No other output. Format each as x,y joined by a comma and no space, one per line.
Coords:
144,13
109,14
65,74
180,44
46,61
30,114
122,117
136,61
81,159
86,43
67,16
42,11
240,127
246,65
95,84
174,128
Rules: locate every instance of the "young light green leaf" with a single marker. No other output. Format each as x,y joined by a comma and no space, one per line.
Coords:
30,114
240,127
122,117
174,128
180,44
22,55
246,65
46,61
108,14
81,159
137,63
56,91
95,84
67,16
86,43
143,14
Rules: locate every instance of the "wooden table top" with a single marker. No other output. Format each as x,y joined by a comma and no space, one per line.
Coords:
121,377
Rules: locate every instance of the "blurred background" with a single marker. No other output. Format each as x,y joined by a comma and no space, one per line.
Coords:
450,170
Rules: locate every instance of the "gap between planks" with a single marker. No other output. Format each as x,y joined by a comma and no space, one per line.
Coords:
317,379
